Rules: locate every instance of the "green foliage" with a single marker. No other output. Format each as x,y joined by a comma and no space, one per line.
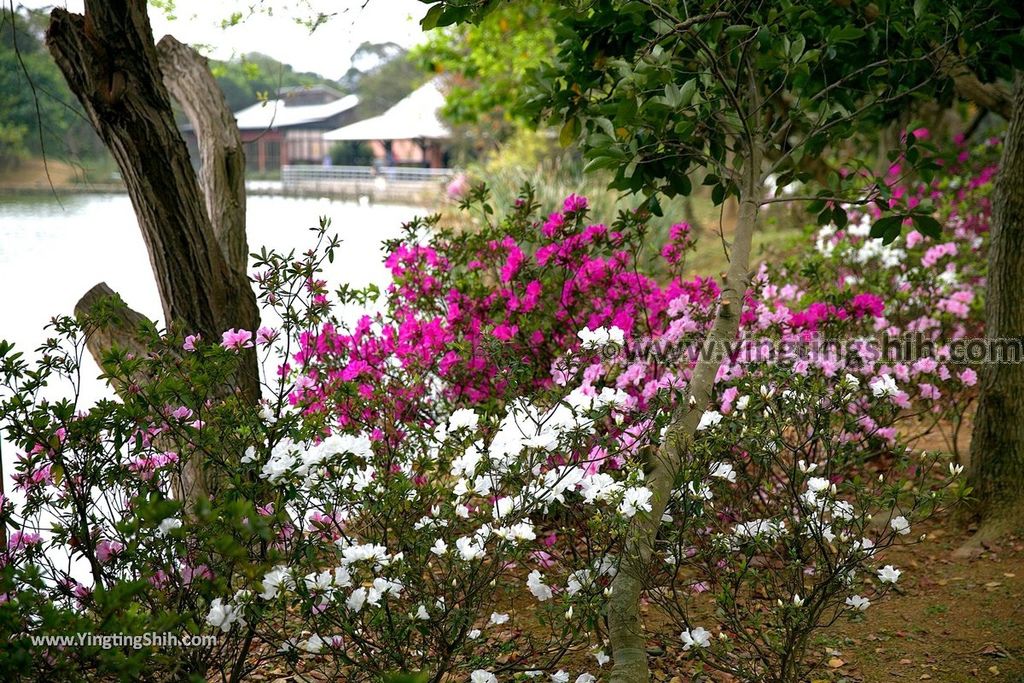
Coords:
655,91
487,63
387,83
257,77
37,110
352,153
12,145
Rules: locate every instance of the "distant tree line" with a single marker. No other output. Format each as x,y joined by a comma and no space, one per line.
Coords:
37,110
39,114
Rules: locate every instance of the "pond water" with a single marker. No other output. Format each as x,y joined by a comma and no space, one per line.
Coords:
52,252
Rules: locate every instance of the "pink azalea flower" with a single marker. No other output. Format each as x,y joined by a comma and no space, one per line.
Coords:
234,340
505,332
265,336
574,203
107,549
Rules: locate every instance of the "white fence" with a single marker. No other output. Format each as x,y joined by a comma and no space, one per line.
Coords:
298,176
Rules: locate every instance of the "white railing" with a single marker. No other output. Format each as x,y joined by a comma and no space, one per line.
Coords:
292,176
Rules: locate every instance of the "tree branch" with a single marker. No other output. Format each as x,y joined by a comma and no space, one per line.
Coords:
222,170
992,96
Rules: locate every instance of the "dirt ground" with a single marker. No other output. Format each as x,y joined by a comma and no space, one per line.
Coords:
955,620
951,620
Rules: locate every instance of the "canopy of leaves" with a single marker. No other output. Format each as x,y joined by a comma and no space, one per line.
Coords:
487,63
255,77
387,81
656,89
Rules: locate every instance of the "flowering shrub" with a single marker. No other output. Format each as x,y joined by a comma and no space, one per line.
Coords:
445,486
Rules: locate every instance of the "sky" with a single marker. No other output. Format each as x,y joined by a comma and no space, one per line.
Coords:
326,51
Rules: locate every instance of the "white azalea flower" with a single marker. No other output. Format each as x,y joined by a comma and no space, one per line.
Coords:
858,603
900,525
536,584
168,525
314,644
274,580
889,574
635,499
710,418
223,616
806,467
723,470
601,337
883,386
463,418
356,600
817,485
696,637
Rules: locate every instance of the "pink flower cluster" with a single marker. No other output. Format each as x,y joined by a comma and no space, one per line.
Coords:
500,309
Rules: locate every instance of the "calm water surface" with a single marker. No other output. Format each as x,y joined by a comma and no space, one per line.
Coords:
51,253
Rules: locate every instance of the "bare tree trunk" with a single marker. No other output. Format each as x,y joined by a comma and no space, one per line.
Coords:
196,241
997,444
625,627
112,65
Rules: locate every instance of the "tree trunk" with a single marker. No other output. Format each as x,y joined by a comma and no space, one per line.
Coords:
222,169
111,64
997,444
625,627
197,248
991,96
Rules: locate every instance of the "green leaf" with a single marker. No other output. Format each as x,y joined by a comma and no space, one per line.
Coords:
430,19
846,34
797,48
687,91
661,26
927,225
839,217
598,163
888,228
718,194
655,206
673,96
570,131
738,30
680,184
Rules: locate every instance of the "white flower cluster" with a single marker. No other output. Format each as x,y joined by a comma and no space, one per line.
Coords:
224,615
602,336
301,459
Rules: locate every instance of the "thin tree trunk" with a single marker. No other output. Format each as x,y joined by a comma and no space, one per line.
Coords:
187,76
997,443
625,627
